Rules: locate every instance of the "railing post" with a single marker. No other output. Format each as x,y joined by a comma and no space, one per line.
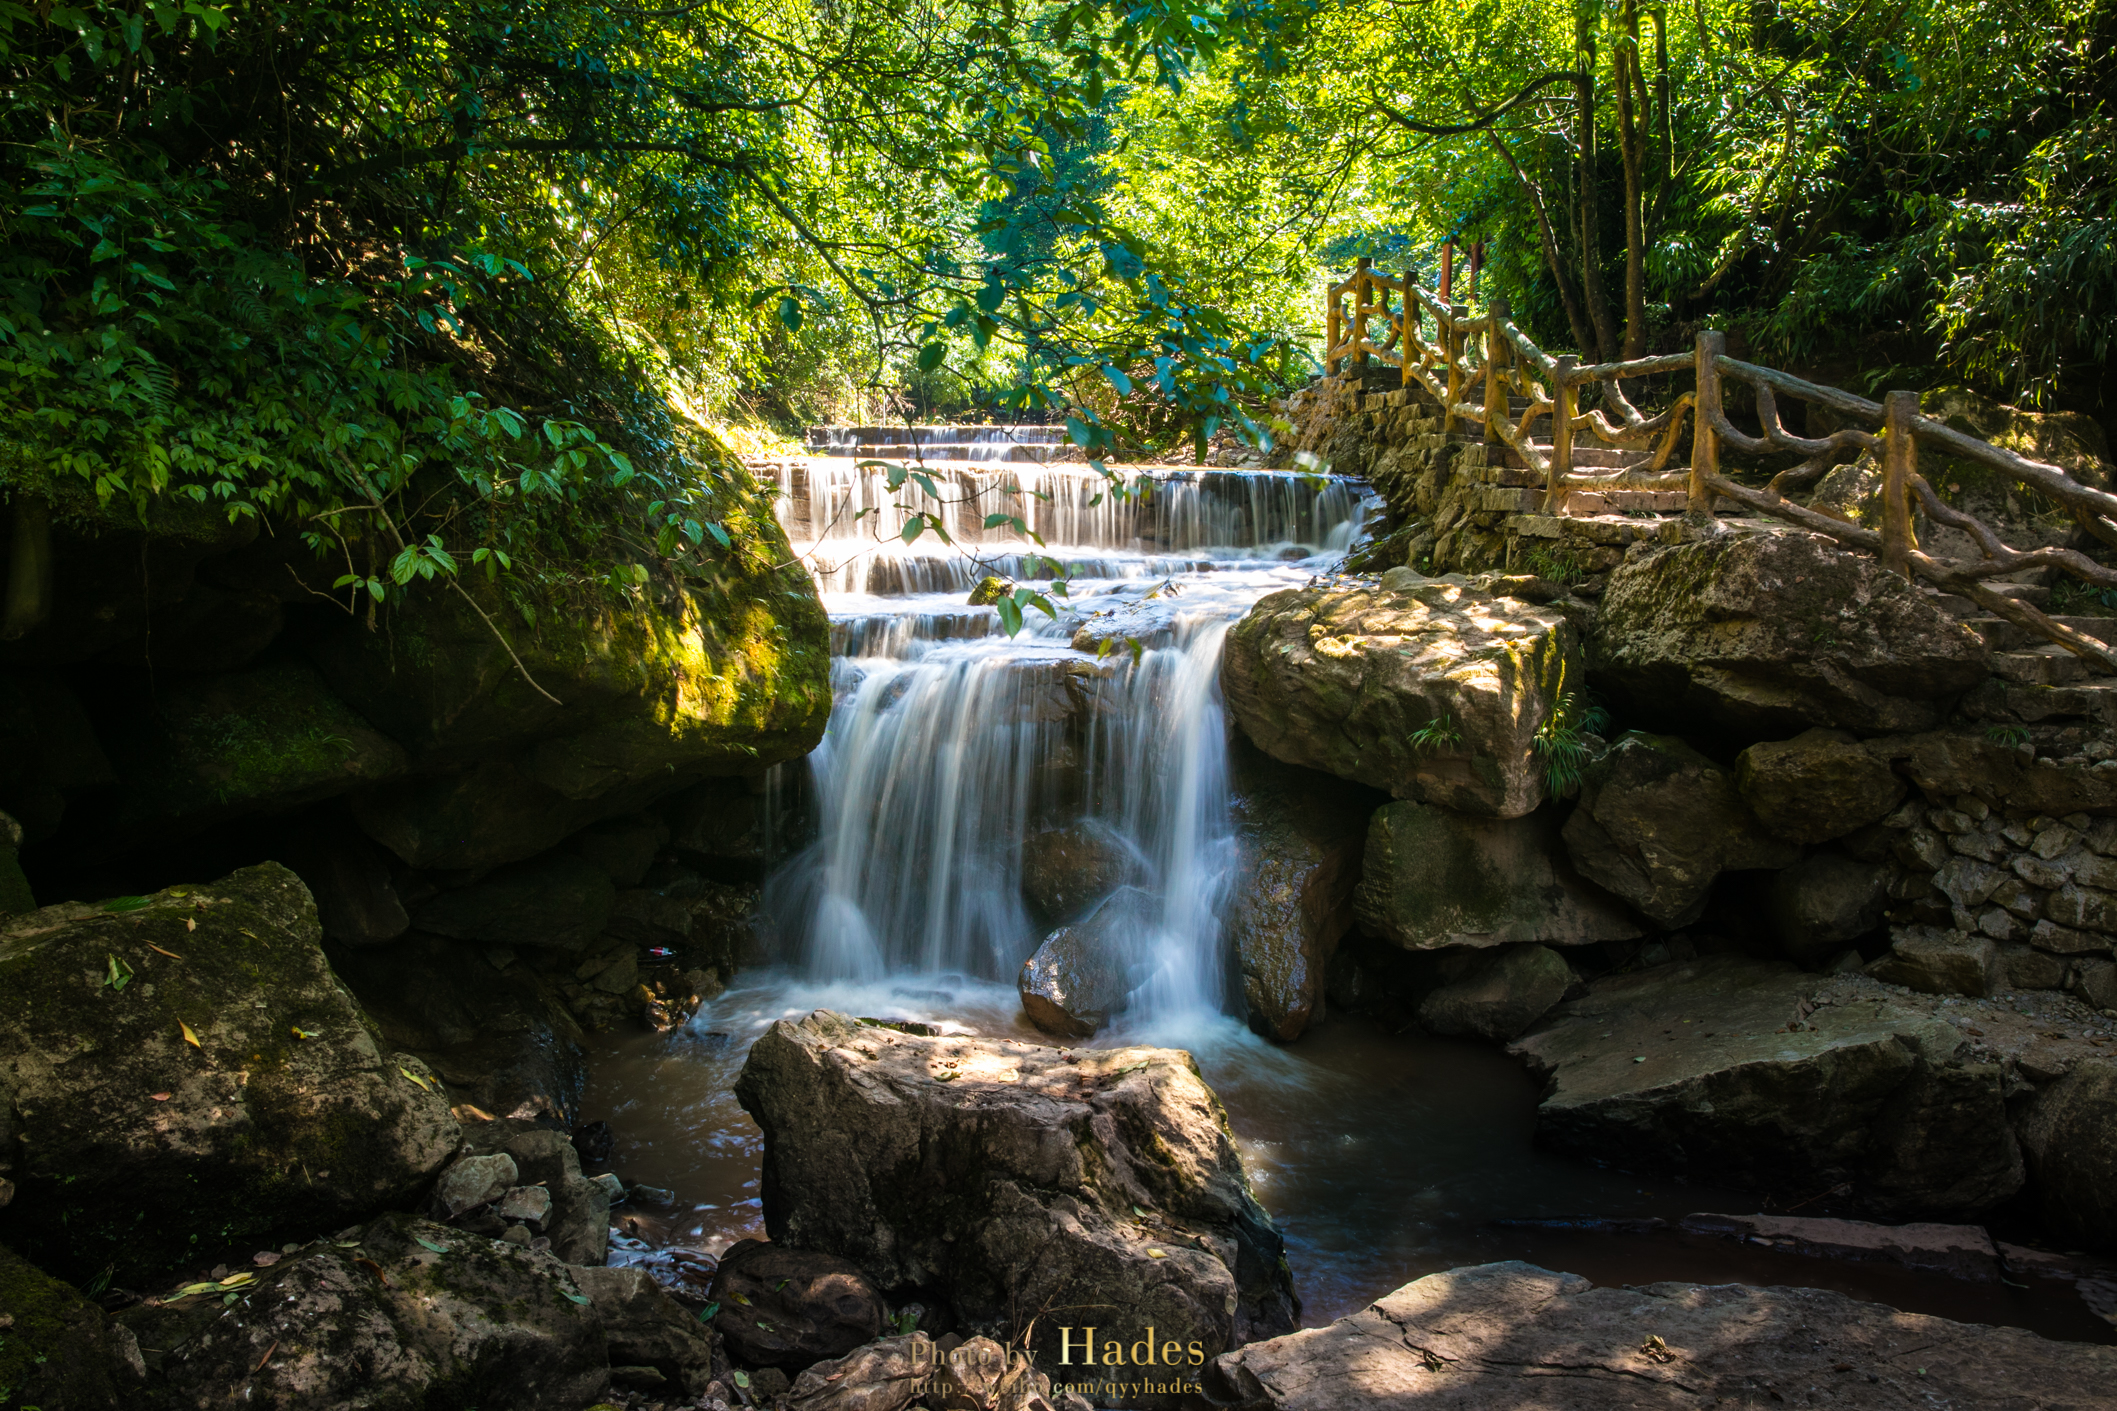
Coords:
1363,294
1495,392
1452,346
1900,461
1705,442
1563,397
1333,318
1407,325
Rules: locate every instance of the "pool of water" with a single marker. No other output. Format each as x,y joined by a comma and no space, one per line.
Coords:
1383,1157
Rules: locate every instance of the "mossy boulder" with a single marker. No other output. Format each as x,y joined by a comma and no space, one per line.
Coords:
1769,633
56,1352
1428,689
182,1070
1821,784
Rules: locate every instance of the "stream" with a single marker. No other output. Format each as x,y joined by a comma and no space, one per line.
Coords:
1383,1157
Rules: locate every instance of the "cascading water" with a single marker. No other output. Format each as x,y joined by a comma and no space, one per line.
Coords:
951,746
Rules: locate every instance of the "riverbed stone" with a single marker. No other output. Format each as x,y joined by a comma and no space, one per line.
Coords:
1935,961
1301,835
1082,973
1015,1177
790,1308
1497,993
1434,877
2070,1139
1500,1337
579,1222
1066,871
413,1315
180,1099
1819,785
1658,821
1435,693
1753,1072
1765,633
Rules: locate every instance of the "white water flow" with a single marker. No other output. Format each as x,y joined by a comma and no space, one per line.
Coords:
952,747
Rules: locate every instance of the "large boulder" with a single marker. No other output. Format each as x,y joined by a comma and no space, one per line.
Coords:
790,1308
1658,821
1501,1337
1082,974
1755,1073
1821,784
187,1061
1432,877
1496,994
1065,871
1436,692
1300,835
1773,632
2070,1140
1017,1179
401,1316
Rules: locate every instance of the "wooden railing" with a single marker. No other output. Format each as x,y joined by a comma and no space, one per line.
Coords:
1449,351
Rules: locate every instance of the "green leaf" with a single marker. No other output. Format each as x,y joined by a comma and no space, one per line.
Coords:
790,313
930,356
705,1314
574,1297
127,903
1116,379
424,1243
119,975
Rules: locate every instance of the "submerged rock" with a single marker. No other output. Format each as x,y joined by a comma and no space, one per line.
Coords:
789,1308
1496,994
1435,693
190,1054
1016,1178
1432,877
1658,821
1766,633
1499,1337
1301,834
1082,973
1739,1070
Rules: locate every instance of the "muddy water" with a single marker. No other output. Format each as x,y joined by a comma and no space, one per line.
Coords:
1382,1157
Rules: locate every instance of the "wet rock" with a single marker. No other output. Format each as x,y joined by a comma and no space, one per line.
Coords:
98,1015
1496,994
1301,835
1432,877
1729,1068
1819,785
559,901
1496,1337
1937,962
1016,1177
1065,871
990,589
56,1350
579,1223
473,1181
1082,973
790,1308
1959,1251
644,1327
1826,901
2070,1140
415,1315
1435,693
1658,821
502,1038
1767,633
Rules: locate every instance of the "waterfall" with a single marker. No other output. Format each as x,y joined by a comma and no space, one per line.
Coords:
953,748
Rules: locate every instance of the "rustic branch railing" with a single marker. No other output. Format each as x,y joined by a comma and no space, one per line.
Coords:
1487,350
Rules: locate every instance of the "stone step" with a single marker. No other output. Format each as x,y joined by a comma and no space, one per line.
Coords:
2048,665
2004,636
1595,502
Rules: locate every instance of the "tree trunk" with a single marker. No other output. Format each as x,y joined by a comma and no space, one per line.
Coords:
1630,139
1593,292
1554,259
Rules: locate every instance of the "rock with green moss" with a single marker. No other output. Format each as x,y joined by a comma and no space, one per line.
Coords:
56,1351
404,1316
1658,821
1821,784
1432,877
990,590
1770,633
1427,689
183,1069
256,741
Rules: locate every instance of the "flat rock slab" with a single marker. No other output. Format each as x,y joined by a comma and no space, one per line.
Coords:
1960,1251
1506,1336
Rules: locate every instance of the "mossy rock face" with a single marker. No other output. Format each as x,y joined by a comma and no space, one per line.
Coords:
56,1354
261,740
230,1088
